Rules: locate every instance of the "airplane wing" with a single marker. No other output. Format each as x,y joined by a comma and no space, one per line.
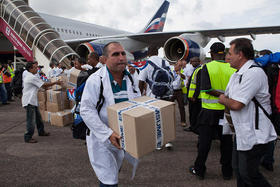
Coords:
159,38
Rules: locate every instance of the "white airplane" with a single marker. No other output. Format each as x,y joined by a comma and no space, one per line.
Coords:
85,38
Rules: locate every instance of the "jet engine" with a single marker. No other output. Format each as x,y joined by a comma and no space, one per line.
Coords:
181,47
85,48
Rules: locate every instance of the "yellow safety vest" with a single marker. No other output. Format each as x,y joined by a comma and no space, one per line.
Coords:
1,77
184,88
219,74
12,71
193,83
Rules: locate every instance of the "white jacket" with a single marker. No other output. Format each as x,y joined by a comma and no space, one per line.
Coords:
105,158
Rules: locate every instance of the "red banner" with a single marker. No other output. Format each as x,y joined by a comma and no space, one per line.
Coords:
16,40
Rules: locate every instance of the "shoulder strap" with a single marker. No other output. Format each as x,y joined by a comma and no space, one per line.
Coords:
257,105
132,82
99,103
252,66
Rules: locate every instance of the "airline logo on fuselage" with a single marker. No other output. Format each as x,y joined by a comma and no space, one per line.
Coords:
8,31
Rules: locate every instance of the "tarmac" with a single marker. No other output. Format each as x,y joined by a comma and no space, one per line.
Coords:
60,160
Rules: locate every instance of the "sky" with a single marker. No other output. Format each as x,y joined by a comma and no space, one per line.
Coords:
183,15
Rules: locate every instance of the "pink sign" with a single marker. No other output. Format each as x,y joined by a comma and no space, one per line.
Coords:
12,36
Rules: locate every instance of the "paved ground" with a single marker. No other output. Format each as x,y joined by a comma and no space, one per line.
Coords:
60,160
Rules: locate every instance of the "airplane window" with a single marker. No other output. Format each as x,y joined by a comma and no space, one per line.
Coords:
77,32
73,32
62,30
70,31
87,34
57,29
80,33
66,31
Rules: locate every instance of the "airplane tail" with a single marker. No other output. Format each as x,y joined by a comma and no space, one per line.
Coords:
156,24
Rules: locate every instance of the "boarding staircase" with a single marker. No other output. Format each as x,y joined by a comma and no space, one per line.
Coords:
31,35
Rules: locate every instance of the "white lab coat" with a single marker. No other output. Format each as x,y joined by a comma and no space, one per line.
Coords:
105,158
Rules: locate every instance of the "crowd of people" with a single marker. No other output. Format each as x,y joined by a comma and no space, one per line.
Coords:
228,99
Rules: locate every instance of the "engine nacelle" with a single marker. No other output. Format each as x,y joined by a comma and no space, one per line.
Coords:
85,48
180,47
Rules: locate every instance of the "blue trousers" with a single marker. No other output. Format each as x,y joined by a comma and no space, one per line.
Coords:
3,93
33,117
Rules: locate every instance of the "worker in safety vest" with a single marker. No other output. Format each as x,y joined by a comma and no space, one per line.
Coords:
194,95
3,92
7,80
214,79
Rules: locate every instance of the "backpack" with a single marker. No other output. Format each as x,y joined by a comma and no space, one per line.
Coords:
272,72
162,78
17,82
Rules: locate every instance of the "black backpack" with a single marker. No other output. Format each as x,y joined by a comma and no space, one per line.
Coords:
271,72
162,78
17,82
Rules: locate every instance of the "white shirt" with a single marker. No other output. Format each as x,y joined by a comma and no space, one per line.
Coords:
99,65
105,158
147,72
188,70
86,67
32,83
177,83
253,84
51,73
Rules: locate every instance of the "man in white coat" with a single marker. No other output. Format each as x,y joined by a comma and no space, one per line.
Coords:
104,150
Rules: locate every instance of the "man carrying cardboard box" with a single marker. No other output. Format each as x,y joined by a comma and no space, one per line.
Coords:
103,145
32,83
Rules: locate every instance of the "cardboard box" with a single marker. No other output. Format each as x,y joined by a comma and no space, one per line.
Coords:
64,80
71,104
42,105
42,96
73,78
56,96
62,118
144,123
47,116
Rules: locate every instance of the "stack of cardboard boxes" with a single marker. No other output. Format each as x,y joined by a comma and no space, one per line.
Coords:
54,104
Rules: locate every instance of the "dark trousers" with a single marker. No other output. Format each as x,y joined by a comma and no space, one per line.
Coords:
178,96
206,135
194,109
3,93
9,90
33,117
107,185
246,166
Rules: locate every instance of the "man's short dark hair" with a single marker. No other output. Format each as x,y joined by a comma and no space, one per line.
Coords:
81,60
94,55
245,46
29,65
105,49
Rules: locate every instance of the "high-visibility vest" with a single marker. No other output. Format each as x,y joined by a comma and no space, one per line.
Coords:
184,88
12,71
219,74
1,77
193,83
6,79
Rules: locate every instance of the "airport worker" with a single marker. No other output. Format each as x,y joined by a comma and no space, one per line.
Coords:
7,80
52,71
178,84
146,76
194,96
32,83
248,99
3,91
103,145
214,78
